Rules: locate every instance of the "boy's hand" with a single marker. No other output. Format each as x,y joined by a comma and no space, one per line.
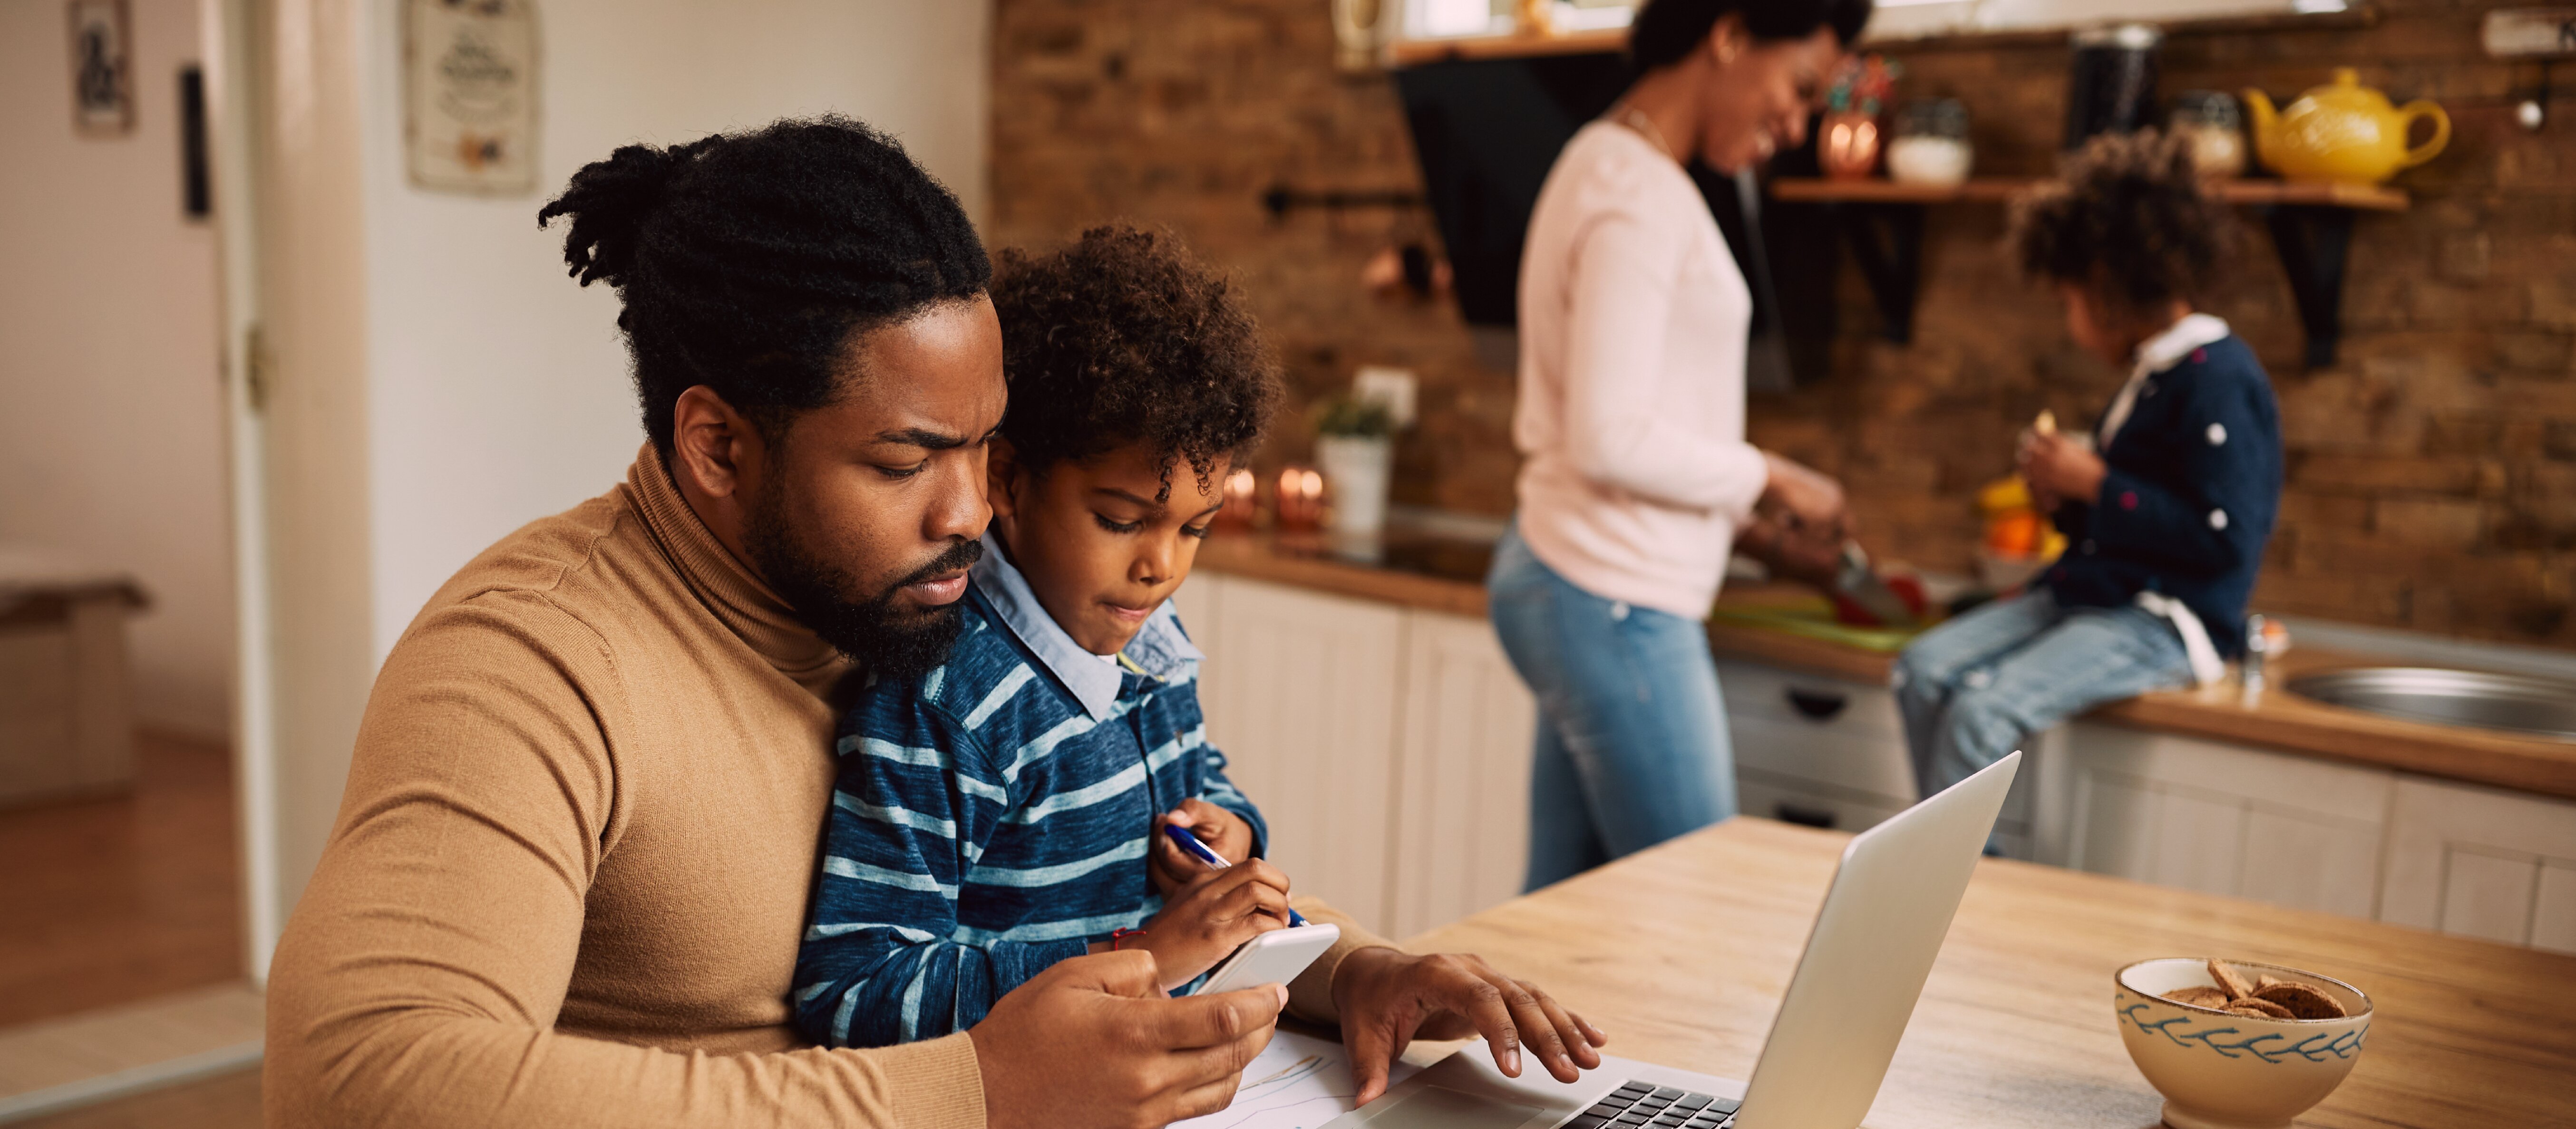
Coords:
1223,831
1211,916
2060,470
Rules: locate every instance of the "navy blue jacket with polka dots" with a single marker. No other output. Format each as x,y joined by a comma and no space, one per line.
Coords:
2194,483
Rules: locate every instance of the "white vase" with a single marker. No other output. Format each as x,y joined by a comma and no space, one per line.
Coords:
1356,472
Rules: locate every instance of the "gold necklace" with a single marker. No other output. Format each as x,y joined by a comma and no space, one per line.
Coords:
1645,127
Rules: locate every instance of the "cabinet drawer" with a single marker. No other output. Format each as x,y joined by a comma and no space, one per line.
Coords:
1857,762
1823,704
1789,800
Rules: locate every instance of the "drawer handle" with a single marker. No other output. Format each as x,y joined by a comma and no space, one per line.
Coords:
1803,816
1817,705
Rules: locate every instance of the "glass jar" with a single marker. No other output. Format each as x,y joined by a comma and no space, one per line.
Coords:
2212,126
1931,143
2111,87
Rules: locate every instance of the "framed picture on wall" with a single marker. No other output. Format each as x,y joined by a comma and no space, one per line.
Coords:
470,95
102,68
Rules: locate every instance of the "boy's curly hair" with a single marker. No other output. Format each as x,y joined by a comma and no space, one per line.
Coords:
2130,219
1121,338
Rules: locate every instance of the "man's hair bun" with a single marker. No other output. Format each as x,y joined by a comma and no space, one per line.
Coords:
609,202
746,261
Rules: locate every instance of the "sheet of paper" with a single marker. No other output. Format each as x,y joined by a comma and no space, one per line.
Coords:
1297,1082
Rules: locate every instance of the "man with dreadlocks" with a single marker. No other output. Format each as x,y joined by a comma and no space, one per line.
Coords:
570,870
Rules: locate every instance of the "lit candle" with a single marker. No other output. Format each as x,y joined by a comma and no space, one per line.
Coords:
1242,500
1301,499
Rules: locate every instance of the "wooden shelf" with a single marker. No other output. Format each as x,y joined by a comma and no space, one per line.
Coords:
2311,224
1415,52
1996,189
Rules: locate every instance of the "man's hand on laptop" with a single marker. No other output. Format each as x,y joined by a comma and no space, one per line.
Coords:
1093,1043
1388,998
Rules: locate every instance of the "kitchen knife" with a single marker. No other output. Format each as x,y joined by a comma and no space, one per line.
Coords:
1856,580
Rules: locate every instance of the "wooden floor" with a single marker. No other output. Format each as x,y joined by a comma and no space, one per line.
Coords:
226,1101
110,901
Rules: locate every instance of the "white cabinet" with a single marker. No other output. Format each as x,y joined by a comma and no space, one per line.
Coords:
66,711
1811,750
1301,691
2482,862
1831,753
1388,748
1825,737
2217,818
1463,776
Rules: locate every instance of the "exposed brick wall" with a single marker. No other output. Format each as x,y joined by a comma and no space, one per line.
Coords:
2432,469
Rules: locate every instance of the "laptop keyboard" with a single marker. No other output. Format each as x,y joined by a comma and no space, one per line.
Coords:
1644,1105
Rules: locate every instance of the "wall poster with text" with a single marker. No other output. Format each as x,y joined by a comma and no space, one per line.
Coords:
470,95
102,68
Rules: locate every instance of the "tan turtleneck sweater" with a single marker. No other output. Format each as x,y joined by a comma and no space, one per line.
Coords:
572,861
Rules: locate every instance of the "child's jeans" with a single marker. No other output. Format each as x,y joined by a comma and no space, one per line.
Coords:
1976,687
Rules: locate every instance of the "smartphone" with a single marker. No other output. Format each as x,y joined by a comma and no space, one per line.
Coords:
1275,957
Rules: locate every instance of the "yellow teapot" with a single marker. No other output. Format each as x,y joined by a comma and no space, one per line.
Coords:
2343,132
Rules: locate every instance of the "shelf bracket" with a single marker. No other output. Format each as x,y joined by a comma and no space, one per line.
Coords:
1886,242
2312,242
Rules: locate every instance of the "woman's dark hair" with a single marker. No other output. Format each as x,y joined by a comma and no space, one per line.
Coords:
1667,31
2129,218
746,261
1123,337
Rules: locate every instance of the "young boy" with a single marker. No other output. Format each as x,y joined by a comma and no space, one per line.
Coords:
2166,513
1003,812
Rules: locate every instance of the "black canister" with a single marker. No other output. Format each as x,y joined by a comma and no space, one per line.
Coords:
2112,87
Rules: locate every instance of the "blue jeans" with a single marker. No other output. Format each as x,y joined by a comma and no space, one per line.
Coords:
1631,747
1976,687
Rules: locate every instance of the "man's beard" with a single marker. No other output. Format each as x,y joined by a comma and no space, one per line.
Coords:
890,641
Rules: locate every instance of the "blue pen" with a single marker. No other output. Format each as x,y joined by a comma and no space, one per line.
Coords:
1199,850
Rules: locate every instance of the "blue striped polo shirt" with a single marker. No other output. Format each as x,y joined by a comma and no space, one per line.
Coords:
991,817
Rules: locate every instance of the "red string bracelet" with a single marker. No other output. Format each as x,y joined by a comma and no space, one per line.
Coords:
1121,936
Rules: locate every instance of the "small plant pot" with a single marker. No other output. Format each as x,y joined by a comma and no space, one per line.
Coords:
1356,470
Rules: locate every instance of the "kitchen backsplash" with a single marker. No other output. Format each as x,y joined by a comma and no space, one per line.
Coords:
2432,469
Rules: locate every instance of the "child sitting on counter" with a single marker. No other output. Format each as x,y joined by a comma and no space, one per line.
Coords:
1000,813
2166,510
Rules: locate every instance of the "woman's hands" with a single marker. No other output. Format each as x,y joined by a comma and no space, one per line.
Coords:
1212,915
1812,500
1387,998
1224,832
2059,469
1092,1043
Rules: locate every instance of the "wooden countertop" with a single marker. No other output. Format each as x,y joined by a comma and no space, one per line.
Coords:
1682,954
1307,562
2277,719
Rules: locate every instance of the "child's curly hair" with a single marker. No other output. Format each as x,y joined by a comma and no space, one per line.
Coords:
2129,219
1123,337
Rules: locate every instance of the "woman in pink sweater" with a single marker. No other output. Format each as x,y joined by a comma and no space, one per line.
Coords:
1637,480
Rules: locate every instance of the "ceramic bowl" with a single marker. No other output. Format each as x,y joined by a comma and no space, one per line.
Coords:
2223,1071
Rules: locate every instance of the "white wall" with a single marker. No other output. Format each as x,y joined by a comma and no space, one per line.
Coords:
109,375
498,390
437,380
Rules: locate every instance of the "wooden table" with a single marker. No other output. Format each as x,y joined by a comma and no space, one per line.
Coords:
1683,952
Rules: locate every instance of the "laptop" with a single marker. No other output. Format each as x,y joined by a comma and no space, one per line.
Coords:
1856,985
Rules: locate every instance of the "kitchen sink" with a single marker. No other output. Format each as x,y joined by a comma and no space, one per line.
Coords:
2542,706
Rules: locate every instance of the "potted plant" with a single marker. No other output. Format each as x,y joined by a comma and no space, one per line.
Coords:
1355,449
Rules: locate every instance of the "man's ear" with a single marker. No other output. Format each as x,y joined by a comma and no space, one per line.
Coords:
712,444
1004,477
